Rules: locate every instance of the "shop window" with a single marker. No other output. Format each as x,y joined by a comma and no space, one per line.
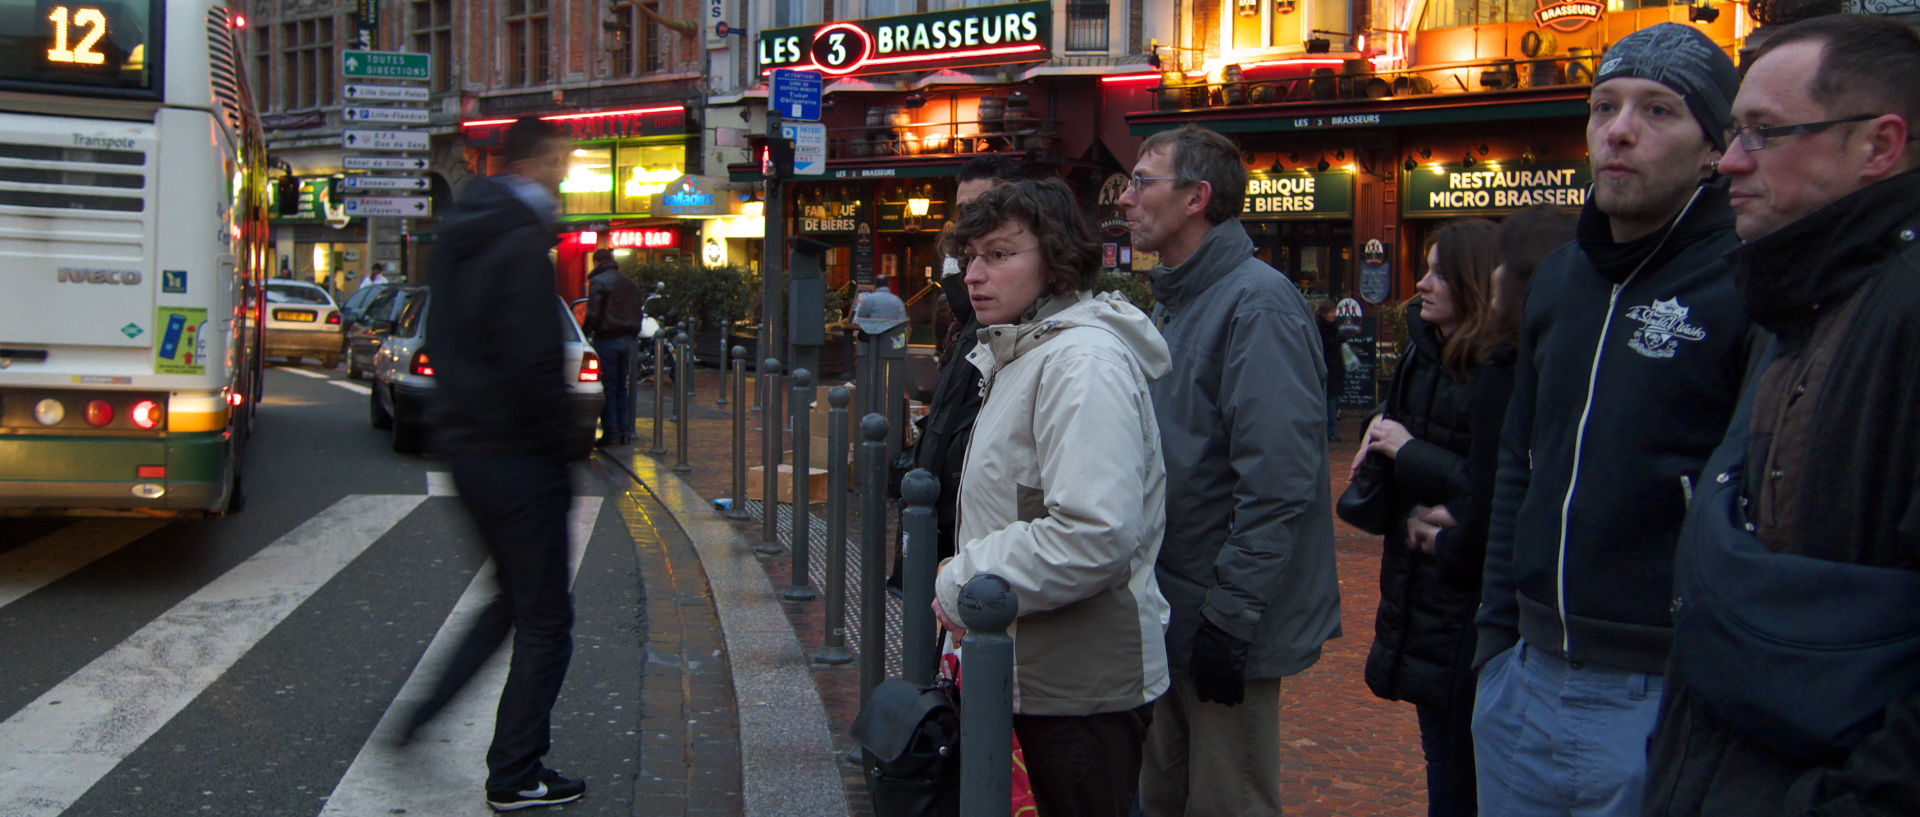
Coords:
1087,26
529,51
1451,13
642,171
588,186
307,63
433,35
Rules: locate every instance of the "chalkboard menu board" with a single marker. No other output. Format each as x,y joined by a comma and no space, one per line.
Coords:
1361,390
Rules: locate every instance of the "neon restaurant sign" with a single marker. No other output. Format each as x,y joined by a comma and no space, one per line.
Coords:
1568,16
984,35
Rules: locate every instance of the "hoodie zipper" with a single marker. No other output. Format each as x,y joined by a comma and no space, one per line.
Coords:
1586,410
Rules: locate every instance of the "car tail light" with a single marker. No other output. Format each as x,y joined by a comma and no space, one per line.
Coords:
99,413
147,414
589,367
421,365
49,412
333,319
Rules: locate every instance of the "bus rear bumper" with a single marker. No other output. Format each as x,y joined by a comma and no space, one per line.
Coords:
95,475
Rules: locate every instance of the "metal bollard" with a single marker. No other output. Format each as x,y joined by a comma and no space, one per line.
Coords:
873,553
801,589
738,510
834,650
987,606
659,395
726,358
921,489
683,404
770,421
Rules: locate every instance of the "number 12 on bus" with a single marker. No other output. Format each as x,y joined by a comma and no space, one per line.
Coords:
130,332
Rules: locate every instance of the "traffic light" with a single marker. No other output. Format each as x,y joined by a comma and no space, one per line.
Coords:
775,155
286,194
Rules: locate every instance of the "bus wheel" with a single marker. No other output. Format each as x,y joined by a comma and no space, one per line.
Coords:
237,493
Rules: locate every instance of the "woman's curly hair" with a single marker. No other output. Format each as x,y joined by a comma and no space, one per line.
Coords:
1069,247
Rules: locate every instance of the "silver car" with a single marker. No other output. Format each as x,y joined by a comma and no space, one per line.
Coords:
403,379
302,321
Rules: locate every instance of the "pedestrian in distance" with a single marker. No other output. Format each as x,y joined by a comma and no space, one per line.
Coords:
1794,685
613,323
379,275
1430,585
1249,563
1632,350
1063,492
1332,348
496,333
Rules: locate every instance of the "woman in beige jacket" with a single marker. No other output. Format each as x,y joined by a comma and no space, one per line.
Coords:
1063,492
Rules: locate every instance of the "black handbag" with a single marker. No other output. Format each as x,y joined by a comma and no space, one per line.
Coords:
910,737
1368,502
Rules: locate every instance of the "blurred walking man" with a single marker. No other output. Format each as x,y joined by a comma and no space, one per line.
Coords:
1795,682
1248,560
496,333
1632,350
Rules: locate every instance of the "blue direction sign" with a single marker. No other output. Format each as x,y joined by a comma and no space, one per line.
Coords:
796,94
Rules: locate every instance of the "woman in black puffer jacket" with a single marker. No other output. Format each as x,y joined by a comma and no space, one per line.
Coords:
1423,634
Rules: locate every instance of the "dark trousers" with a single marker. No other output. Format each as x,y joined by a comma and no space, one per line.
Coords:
1084,764
1446,738
616,365
519,506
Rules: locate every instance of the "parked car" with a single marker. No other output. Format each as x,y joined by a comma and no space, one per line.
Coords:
403,378
368,323
302,321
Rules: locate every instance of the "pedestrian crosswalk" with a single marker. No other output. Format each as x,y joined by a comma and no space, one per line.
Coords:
78,731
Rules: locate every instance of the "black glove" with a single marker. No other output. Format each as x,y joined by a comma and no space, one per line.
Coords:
1219,665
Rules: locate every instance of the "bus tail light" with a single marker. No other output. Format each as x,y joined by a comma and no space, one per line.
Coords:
99,413
589,367
147,414
150,471
421,365
49,412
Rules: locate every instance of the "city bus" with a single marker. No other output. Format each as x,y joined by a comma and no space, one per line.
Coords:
133,257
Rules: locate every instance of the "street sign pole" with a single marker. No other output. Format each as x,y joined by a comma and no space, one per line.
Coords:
773,284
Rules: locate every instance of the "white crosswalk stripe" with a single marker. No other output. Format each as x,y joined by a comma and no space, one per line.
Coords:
46,559
302,372
356,388
68,739
442,772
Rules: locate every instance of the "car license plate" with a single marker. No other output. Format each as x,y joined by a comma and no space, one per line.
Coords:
294,315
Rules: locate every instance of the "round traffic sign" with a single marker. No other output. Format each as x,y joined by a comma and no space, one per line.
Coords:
720,29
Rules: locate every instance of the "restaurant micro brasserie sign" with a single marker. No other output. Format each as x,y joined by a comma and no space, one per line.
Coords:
1467,191
983,35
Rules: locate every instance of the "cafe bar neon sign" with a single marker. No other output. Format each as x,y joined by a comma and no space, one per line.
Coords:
987,35
642,239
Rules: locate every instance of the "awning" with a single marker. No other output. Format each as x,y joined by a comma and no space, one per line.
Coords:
1489,106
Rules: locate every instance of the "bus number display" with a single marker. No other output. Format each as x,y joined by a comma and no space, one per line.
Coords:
91,19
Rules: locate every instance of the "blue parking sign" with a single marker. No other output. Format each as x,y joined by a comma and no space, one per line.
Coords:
796,94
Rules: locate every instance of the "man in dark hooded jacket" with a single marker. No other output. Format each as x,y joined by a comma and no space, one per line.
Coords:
495,333
613,324
1632,347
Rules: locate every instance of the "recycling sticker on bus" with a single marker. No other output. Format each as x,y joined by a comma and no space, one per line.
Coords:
181,349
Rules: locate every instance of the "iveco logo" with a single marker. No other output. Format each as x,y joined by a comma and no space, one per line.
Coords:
76,275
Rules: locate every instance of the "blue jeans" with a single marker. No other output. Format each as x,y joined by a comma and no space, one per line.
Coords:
616,364
1559,738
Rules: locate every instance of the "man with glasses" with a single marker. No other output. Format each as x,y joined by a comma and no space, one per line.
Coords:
1247,563
1794,687
1633,347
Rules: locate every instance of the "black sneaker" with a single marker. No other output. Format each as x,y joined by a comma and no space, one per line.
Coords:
550,789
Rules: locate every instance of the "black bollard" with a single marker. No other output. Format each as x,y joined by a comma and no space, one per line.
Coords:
834,651
738,510
770,421
726,360
921,489
801,589
987,606
873,553
683,404
659,395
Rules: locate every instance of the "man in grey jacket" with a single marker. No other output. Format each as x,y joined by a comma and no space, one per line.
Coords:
1248,563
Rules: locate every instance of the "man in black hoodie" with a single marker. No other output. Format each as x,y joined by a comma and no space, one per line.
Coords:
1632,350
613,324
495,333
1794,687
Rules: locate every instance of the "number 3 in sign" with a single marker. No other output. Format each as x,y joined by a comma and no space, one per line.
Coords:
91,19
841,48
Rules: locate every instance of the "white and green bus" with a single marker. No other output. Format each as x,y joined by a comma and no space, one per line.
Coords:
133,257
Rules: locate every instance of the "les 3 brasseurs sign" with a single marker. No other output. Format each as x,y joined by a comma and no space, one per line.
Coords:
985,35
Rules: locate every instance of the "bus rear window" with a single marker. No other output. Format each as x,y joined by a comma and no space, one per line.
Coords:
110,48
